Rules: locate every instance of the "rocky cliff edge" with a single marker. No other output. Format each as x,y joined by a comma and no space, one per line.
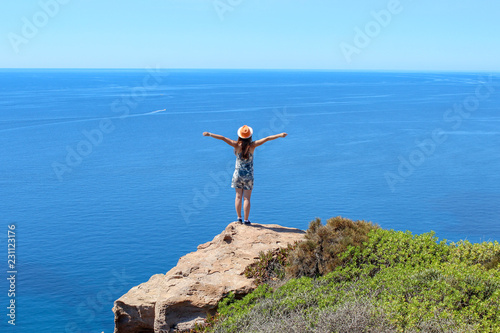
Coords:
188,292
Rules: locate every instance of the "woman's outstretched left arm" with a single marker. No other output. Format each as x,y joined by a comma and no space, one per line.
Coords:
269,138
230,142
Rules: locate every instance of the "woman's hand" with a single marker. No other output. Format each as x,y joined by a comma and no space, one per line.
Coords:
206,134
283,134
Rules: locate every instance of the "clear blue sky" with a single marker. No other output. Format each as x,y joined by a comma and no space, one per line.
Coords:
296,34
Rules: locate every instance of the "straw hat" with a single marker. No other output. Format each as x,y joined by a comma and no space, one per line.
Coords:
245,132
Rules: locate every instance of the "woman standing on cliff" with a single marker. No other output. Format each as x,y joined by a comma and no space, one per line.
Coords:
242,180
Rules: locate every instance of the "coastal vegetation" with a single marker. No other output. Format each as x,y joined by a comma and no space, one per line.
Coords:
353,276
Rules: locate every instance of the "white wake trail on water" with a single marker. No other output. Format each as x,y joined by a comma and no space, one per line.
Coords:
471,133
121,117
80,120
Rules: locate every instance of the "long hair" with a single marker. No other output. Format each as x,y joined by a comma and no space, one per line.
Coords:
245,145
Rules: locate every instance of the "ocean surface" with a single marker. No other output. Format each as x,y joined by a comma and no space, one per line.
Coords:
108,180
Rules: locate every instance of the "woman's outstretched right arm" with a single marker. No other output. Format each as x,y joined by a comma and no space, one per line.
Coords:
230,142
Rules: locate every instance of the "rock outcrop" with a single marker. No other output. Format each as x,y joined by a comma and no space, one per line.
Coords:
191,290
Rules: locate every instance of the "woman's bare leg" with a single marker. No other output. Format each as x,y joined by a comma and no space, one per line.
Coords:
246,205
237,201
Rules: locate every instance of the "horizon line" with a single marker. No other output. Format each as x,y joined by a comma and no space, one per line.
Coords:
258,69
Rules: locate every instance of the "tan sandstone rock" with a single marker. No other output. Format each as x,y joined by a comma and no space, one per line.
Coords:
192,289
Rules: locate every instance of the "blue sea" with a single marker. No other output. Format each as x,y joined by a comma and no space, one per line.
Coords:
108,180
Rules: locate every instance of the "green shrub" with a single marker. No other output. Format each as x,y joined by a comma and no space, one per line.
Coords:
270,266
320,253
486,253
235,312
388,248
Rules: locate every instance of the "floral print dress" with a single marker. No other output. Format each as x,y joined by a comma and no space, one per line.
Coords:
243,173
